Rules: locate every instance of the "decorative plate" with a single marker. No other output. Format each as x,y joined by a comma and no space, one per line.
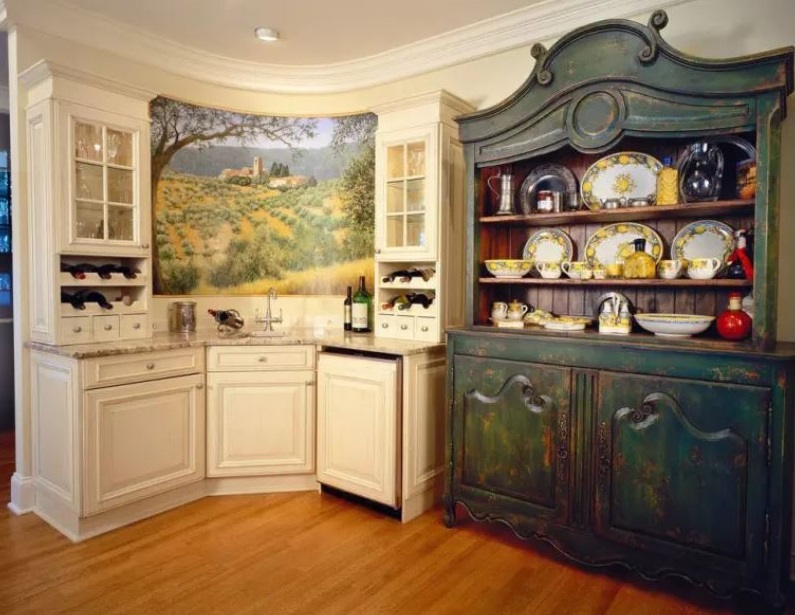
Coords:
613,242
629,175
552,176
548,244
704,239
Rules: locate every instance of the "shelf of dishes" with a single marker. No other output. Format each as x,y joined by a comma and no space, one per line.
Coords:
688,210
656,282
701,250
630,180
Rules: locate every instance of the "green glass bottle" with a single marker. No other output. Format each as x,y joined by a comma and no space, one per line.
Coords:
362,309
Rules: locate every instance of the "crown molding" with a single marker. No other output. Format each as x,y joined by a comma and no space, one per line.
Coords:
538,22
43,69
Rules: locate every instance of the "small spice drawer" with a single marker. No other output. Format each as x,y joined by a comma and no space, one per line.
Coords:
248,358
134,325
138,367
76,330
105,328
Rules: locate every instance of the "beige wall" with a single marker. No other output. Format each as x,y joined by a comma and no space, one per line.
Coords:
710,28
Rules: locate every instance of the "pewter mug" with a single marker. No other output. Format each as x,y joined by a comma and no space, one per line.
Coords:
505,194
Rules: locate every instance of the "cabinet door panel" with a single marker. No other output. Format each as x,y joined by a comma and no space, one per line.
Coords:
682,463
512,431
142,439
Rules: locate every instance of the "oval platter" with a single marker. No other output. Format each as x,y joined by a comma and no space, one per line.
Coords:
548,244
704,239
613,242
628,175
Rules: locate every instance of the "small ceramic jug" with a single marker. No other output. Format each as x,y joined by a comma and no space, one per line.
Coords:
499,310
548,269
577,270
669,269
516,310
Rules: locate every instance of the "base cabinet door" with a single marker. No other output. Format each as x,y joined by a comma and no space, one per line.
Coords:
681,471
511,438
141,440
260,423
357,419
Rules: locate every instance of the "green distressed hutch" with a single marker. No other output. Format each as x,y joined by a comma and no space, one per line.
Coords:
668,456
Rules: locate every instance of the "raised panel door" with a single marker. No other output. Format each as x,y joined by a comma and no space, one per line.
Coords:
357,418
260,423
511,437
681,470
142,439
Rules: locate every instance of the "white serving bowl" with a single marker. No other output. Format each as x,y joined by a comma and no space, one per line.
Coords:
674,325
508,268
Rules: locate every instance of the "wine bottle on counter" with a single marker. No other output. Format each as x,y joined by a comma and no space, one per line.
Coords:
406,275
346,310
361,309
75,301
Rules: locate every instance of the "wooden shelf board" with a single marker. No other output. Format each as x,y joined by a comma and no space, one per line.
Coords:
93,279
678,283
626,214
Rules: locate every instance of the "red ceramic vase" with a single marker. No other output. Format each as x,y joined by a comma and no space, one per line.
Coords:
734,324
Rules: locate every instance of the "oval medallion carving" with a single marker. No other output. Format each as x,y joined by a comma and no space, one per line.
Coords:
595,118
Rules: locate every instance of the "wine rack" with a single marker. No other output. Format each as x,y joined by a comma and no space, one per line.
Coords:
102,299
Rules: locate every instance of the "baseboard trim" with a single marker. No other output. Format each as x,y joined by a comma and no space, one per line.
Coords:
23,496
239,485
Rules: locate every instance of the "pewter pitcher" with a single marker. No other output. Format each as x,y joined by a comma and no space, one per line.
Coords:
505,194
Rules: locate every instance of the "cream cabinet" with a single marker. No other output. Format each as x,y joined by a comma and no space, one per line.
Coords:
142,440
89,215
380,427
116,438
358,426
260,411
419,217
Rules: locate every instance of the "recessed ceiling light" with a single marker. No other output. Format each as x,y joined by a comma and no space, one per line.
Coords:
266,34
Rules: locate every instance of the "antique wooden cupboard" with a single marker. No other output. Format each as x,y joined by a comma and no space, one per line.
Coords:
669,456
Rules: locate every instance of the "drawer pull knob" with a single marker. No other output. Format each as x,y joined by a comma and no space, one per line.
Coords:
77,329
150,366
108,327
384,325
199,386
144,245
403,327
424,328
263,359
136,325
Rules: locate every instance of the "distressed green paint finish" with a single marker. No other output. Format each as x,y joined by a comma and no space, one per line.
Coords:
514,425
683,464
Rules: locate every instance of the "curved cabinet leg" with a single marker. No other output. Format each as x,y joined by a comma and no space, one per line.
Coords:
449,512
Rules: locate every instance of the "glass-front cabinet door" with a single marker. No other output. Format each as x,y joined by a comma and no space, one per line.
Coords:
104,186
405,214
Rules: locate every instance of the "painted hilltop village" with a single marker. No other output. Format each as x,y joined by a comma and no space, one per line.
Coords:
277,176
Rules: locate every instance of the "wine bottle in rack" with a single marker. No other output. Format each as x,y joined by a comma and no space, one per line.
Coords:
105,271
400,302
78,271
406,275
128,272
93,296
423,299
75,301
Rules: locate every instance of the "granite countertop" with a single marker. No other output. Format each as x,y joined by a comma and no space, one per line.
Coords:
323,338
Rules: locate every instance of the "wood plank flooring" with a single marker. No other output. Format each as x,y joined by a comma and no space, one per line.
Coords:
314,554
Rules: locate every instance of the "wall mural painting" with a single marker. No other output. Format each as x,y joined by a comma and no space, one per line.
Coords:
242,203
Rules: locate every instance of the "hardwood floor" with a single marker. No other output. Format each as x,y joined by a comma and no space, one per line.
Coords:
314,554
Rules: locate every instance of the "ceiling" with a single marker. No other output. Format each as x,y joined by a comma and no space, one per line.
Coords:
318,32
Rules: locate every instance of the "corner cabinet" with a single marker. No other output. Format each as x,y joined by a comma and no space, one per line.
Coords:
88,155
419,216
669,455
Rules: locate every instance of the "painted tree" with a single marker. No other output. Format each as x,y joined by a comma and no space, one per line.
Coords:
176,125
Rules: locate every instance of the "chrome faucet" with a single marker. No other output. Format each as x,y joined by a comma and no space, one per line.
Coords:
269,319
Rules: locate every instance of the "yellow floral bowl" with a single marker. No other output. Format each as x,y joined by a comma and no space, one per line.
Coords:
508,268
674,325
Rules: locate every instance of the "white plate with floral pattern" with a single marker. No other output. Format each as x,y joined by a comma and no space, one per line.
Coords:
629,175
704,239
548,244
614,242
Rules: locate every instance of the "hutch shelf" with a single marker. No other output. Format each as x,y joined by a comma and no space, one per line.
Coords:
670,456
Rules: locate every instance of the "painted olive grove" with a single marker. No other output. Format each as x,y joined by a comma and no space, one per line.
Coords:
242,202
